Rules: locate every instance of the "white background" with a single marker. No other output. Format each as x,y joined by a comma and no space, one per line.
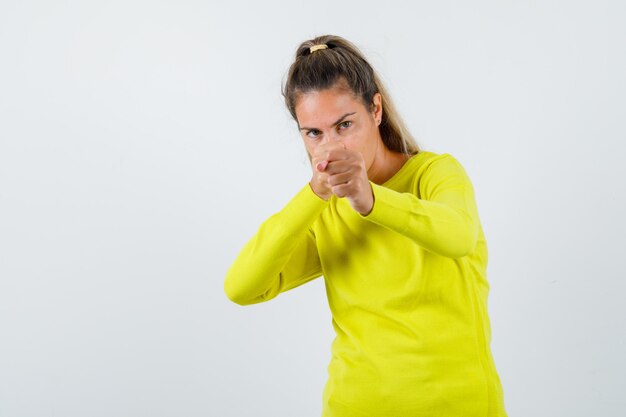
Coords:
142,143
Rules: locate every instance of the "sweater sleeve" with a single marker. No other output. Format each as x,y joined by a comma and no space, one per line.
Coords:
281,255
444,220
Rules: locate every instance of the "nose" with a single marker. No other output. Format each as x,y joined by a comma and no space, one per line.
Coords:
332,135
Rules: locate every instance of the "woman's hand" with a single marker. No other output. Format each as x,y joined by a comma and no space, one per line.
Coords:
319,180
340,171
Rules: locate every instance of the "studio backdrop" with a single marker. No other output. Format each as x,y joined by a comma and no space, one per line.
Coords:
143,143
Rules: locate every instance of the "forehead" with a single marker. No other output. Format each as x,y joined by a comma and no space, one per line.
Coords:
322,108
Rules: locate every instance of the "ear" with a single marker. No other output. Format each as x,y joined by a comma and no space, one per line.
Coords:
377,108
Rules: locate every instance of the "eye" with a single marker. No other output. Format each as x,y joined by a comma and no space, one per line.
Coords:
345,125
313,133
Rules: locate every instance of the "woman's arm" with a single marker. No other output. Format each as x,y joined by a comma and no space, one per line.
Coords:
281,255
444,220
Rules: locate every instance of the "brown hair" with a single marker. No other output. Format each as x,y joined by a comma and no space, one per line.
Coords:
343,62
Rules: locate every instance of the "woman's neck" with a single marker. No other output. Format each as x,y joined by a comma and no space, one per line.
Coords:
386,165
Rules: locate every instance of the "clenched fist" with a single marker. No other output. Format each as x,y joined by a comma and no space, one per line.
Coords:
340,171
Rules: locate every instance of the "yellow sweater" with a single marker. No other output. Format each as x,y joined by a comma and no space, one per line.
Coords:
406,285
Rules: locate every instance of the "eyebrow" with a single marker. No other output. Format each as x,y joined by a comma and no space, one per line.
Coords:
334,124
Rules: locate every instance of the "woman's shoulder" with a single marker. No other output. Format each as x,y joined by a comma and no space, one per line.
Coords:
428,167
427,155
426,161
425,158
441,168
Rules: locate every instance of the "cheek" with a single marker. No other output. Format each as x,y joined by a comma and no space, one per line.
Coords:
360,141
355,139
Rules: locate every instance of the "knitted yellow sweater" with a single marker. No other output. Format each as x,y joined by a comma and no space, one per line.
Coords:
406,285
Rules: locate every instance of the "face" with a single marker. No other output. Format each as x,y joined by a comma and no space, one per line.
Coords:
335,115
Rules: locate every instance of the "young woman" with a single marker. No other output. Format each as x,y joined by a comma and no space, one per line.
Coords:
395,232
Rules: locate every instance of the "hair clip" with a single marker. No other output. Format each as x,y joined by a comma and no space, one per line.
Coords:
317,47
